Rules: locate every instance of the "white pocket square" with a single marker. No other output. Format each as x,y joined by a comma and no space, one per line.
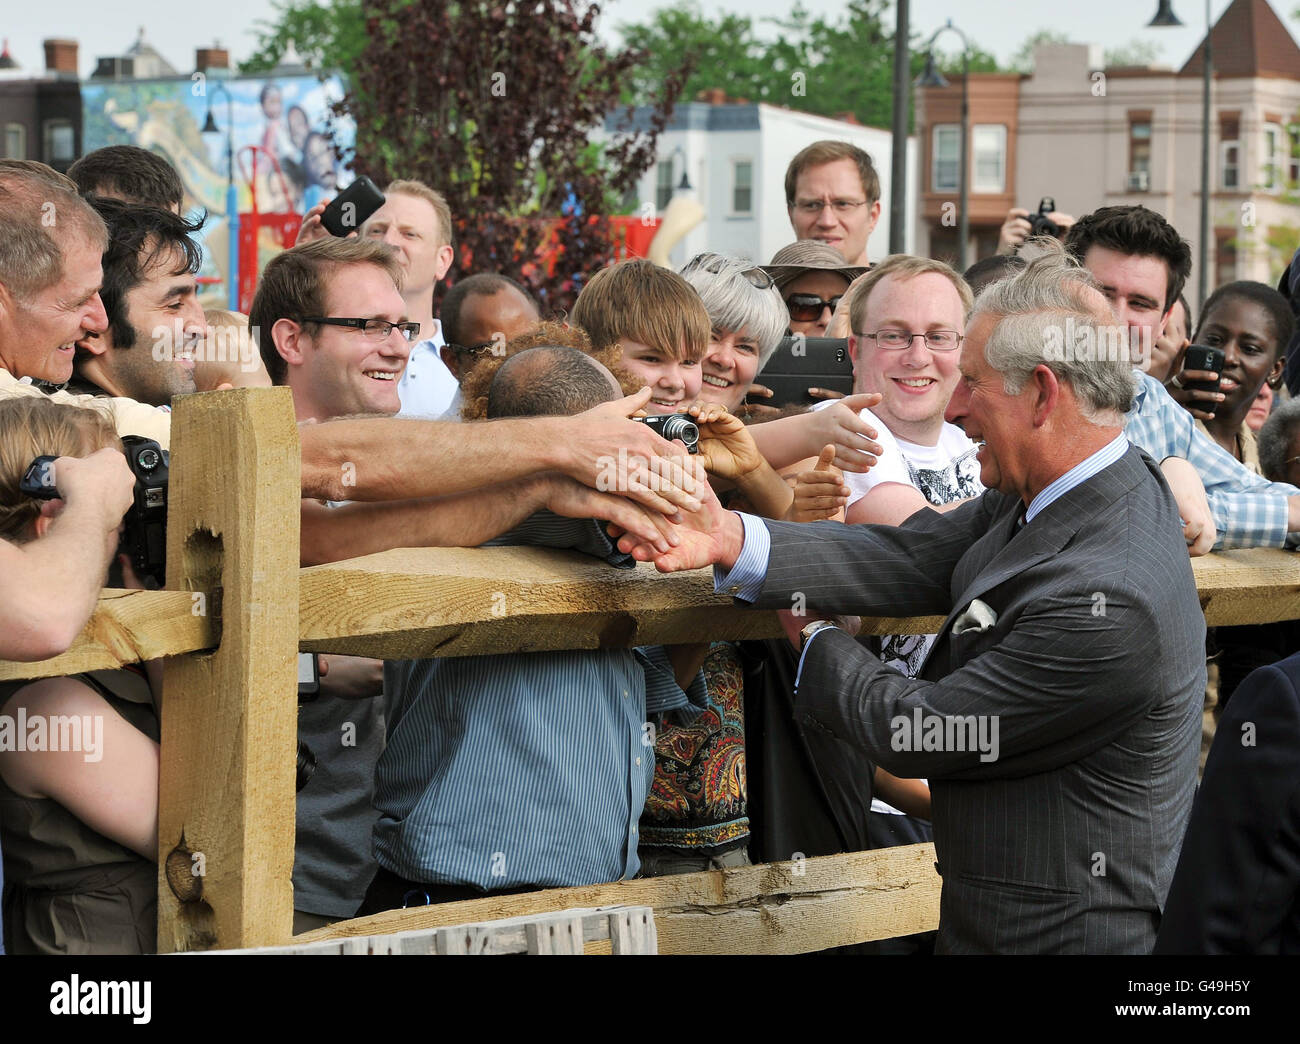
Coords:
976,617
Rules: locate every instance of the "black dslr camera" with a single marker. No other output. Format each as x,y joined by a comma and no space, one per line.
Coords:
1040,224
144,540
674,426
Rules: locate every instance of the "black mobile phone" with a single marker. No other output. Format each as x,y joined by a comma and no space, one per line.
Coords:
800,363
308,675
348,211
1203,357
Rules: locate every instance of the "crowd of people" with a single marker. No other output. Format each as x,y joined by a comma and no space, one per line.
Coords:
1025,452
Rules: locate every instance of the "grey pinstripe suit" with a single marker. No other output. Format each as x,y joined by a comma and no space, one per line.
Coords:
1094,668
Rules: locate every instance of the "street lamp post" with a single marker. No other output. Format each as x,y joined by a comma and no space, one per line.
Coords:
232,196
898,157
1165,17
931,77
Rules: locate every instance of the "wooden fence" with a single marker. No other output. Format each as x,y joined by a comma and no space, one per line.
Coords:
238,608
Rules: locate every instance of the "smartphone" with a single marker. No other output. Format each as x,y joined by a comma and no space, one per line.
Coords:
800,363
348,211
308,675
1203,357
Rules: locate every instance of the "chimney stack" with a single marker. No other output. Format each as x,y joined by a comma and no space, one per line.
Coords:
214,57
61,57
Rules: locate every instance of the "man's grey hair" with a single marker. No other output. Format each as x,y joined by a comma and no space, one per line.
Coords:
1052,314
1274,438
38,208
736,305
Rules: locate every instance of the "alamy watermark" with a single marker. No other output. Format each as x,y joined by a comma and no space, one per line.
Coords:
946,732
81,733
222,344
1096,342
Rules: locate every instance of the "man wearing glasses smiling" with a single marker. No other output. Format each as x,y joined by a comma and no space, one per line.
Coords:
832,192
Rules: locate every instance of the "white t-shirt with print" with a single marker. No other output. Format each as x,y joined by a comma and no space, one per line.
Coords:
944,472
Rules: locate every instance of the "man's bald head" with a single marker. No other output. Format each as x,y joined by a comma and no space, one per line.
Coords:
550,381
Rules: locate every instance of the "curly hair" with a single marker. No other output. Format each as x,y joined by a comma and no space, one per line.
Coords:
474,385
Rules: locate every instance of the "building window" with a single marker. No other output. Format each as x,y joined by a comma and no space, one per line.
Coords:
1293,158
742,187
1229,165
60,142
15,141
989,143
1229,152
1139,152
944,173
1274,158
663,184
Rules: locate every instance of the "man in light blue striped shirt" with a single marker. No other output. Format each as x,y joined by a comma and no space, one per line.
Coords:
504,773
1141,265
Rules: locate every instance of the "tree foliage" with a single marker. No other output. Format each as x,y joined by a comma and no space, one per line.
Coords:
494,104
829,66
328,35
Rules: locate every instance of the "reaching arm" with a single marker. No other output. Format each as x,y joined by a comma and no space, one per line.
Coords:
50,585
465,519
392,459
787,441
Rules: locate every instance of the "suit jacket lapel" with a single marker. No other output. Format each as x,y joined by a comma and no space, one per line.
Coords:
1013,552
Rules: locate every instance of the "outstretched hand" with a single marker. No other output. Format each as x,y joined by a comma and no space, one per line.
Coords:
710,535
853,438
604,450
819,494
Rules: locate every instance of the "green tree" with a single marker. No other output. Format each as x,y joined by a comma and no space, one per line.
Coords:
329,35
828,66
494,104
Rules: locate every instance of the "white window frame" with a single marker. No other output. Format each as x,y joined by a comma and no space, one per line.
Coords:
733,211
989,187
1274,159
21,130
935,184
1225,166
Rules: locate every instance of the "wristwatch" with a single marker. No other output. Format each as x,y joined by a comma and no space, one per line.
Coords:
810,630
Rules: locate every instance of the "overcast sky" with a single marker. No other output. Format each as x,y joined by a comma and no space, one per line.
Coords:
999,26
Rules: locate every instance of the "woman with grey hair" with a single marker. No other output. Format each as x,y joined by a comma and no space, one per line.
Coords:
749,318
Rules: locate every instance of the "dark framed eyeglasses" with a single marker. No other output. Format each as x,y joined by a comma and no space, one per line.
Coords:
476,350
807,308
716,263
375,329
935,340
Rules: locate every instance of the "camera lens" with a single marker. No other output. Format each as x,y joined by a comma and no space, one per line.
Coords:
677,427
306,765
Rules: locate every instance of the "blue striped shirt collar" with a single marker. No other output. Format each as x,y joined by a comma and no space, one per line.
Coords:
1078,475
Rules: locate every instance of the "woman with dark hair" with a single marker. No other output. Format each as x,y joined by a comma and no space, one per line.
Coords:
1252,323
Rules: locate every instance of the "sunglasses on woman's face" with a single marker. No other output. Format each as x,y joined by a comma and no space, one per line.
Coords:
807,308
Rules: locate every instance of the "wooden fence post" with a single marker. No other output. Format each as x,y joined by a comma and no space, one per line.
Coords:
229,717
